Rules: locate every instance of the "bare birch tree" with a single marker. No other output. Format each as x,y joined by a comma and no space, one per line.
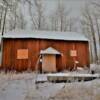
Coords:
12,15
1,16
96,6
37,15
59,17
88,22
16,17
5,6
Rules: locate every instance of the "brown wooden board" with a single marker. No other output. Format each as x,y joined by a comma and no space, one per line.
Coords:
49,63
64,61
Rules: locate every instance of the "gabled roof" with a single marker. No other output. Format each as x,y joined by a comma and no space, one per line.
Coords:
53,35
50,50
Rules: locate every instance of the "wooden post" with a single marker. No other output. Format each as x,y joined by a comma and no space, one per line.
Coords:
36,71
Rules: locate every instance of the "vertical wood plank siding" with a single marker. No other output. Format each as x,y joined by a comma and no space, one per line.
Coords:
65,61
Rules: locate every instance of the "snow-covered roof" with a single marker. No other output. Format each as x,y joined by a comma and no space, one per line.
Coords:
72,75
50,50
54,35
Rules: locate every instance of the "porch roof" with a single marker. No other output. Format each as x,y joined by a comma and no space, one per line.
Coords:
50,50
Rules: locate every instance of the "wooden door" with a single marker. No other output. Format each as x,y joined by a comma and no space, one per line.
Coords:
49,63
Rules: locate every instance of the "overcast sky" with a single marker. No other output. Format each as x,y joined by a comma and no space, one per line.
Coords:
74,5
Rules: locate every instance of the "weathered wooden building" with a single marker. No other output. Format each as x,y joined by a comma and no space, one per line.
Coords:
59,50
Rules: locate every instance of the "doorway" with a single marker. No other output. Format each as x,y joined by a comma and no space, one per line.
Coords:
49,63
49,59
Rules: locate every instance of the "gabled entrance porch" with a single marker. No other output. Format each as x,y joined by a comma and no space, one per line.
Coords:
48,59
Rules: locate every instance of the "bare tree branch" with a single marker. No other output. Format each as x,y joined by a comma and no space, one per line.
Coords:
89,22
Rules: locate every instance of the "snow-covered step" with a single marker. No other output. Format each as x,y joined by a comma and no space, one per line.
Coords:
68,77
41,78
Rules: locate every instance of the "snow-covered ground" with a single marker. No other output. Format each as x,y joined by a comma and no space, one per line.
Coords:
22,87
80,91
